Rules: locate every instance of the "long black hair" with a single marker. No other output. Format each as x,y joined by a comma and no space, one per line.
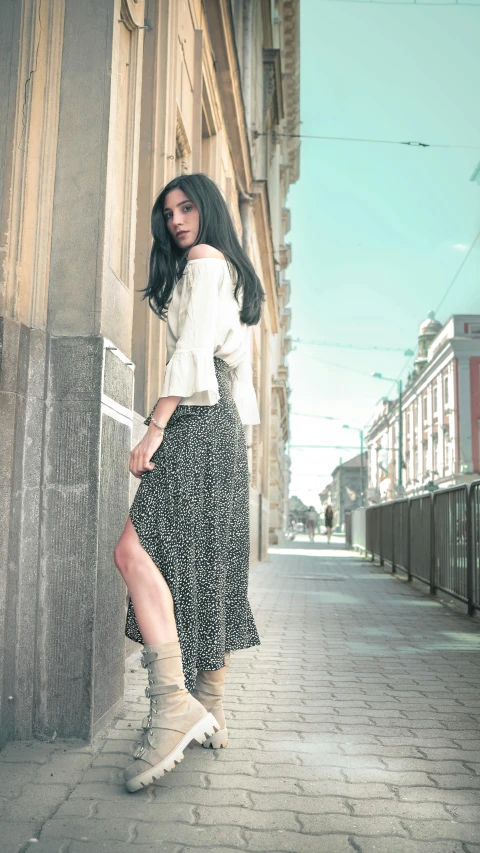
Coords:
167,260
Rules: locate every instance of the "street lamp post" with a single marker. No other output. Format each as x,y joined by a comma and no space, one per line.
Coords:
399,385
362,467
338,447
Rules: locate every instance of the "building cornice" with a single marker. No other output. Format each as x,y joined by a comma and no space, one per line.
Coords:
291,76
280,388
221,33
265,245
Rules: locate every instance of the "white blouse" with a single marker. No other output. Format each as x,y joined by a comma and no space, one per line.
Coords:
203,321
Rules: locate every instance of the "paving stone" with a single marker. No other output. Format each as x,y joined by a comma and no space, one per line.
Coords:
289,842
402,845
431,830
404,810
52,846
13,777
252,783
464,813
245,817
206,837
112,829
14,834
27,752
457,781
108,759
353,824
444,795
300,804
389,777
36,802
138,808
292,771
103,774
429,766
65,768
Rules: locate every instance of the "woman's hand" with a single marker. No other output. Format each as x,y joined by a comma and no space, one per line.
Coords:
143,452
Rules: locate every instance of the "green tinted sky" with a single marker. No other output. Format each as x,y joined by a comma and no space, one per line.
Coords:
378,231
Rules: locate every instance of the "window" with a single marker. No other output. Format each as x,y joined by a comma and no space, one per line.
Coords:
424,458
183,150
425,407
446,451
435,399
445,391
435,472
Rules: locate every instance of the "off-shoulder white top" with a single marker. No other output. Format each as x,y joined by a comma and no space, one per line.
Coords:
203,321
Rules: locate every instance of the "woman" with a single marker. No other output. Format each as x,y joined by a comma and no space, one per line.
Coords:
184,551
311,523
329,521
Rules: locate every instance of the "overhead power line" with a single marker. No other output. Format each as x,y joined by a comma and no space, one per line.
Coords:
411,144
324,446
457,274
405,2
363,347
334,364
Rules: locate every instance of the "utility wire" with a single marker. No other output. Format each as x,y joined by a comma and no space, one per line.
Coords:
334,364
404,2
457,273
412,144
324,446
362,347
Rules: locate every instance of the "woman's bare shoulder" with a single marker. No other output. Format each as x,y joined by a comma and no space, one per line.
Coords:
203,250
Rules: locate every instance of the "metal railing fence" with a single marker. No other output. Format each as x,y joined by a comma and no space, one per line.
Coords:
434,538
420,538
359,528
475,540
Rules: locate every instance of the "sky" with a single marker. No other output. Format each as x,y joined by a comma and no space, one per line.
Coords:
379,231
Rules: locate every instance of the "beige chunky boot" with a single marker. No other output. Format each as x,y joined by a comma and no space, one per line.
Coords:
209,690
176,718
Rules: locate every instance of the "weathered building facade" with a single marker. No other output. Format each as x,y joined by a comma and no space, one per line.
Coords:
440,412
348,485
102,105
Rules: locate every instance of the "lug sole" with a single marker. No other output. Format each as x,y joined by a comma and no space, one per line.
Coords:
217,741
202,730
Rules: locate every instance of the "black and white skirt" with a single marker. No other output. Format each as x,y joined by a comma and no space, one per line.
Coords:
191,514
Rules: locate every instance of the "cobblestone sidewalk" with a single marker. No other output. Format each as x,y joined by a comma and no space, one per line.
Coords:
354,729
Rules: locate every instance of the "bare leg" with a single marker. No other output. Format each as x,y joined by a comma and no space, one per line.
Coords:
151,597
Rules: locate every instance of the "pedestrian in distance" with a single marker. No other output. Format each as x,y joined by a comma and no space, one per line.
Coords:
311,523
184,551
329,521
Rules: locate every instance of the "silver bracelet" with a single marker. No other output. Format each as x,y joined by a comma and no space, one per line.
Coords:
157,424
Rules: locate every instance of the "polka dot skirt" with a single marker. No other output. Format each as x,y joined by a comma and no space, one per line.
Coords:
191,514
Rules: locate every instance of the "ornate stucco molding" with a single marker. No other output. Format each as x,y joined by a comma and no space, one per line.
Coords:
264,235
132,12
221,32
291,74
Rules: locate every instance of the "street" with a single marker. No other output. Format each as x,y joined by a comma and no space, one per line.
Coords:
354,728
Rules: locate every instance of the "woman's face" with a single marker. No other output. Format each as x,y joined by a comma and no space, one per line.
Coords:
182,218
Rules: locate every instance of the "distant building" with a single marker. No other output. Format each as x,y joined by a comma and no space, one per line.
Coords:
440,415
326,495
346,487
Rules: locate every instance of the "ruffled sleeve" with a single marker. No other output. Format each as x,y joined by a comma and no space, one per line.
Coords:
190,372
243,391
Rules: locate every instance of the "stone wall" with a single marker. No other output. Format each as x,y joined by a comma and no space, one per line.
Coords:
66,427
101,107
